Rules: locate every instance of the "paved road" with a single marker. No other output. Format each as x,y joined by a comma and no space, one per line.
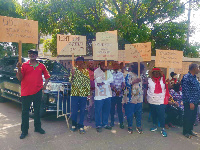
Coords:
58,135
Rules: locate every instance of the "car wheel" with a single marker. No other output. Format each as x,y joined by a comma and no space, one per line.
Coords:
42,110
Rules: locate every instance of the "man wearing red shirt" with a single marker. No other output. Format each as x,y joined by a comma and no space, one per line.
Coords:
30,75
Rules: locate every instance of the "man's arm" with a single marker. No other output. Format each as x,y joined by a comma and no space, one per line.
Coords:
19,72
45,84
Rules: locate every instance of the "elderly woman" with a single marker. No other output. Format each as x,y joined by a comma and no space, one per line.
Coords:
157,96
133,97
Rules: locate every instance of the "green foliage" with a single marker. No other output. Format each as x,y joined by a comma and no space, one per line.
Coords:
51,45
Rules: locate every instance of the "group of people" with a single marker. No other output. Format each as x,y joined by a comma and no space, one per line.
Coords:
105,89
121,88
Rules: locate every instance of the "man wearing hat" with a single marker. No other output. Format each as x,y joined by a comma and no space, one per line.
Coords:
30,75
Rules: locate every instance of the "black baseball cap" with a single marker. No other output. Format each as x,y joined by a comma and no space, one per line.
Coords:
32,51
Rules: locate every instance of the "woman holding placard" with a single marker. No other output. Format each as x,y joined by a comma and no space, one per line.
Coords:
157,96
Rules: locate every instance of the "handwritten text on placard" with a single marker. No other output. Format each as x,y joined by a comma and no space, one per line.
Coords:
15,30
169,58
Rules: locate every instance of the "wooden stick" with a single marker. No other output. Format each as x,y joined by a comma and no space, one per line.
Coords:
167,75
20,51
73,60
181,77
124,63
138,68
106,64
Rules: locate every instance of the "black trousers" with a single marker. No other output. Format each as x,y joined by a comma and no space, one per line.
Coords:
189,118
116,101
26,103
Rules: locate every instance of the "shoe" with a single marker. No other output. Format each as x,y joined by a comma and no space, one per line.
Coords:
107,127
81,131
112,124
23,135
121,126
41,131
139,130
130,130
73,129
166,126
164,133
193,134
99,129
153,129
188,136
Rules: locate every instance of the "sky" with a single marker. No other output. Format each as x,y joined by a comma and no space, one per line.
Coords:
195,22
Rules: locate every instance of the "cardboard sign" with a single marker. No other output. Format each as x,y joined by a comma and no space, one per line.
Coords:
169,58
132,53
105,46
69,44
184,69
102,50
15,30
121,55
144,49
107,36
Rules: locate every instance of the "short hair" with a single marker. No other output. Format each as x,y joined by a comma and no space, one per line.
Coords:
80,58
193,66
176,87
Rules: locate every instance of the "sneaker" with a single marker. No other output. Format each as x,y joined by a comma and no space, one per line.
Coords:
107,127
188,136
121,126
73,129
81,131
164,133
139,130
130,130
193,134
99,129
112,124
153,129
23,135
41,131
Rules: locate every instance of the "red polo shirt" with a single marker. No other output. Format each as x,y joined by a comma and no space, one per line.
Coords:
32,81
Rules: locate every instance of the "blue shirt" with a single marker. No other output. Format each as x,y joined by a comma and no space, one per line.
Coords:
190,89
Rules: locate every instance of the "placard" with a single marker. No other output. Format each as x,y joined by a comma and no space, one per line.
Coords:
69,44
169,58
184,69
132,53
121,55
15,30
102,50
105,46
144,49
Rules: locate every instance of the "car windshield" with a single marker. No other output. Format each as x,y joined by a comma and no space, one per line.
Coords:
56,70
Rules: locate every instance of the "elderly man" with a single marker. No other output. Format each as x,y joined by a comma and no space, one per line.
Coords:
80,90
103,94
191,93
30,75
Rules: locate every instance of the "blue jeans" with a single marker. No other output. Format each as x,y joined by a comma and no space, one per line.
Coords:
158,114
78,103
130,109
102,107
116,100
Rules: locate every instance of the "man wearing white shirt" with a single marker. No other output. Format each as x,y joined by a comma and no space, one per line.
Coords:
103,94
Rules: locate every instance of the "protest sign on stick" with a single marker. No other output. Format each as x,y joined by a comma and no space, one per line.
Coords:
133,55
18,30
106,46
71,45
168,59
144,49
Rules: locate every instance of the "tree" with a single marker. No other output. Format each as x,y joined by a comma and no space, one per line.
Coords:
135,20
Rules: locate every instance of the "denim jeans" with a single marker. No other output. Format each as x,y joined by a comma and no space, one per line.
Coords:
102,107
130,109
78,103
116,101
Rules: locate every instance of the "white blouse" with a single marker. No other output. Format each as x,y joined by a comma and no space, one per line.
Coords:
153,98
